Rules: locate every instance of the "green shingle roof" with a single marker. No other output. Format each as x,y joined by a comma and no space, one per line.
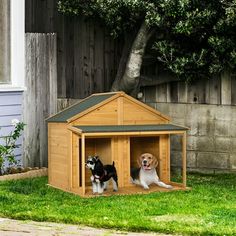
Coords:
85,104
130,128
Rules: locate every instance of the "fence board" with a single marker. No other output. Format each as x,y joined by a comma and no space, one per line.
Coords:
225,88
233,89
174,92
182,92
162,93
87,56
40,97
214,90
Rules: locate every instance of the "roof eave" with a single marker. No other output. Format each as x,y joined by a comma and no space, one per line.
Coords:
132,133
75,130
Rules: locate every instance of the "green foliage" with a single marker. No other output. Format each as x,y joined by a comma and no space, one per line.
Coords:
7,149
207,209
194,38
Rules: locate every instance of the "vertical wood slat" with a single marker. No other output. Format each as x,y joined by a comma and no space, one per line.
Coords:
49,158
40,86
182,92
213,95
162,93
40,98
83,164
68,53
114,154
226,88
99,57
120,111
164,158
184,162
174,92
70,160
233,89
78,82
61,81
75,162
125,147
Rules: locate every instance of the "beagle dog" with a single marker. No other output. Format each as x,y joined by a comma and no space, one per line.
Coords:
146,173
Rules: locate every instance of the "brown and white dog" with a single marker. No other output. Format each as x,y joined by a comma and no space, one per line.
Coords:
146,173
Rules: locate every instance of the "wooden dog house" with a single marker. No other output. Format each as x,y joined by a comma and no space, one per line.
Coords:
116,127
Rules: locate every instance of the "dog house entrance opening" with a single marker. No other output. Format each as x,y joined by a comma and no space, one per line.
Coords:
140,145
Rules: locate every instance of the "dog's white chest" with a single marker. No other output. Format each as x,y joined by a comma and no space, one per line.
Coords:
149,176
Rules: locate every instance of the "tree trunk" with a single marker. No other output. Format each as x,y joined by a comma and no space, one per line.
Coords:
129,82
128,40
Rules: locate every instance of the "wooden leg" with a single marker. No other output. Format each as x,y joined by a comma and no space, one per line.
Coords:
83,163
184,158
70,149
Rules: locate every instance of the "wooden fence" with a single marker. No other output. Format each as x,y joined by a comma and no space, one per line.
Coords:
40,98
220,90
87,56
87,61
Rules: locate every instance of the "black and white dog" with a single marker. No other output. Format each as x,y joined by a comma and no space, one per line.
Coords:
101,174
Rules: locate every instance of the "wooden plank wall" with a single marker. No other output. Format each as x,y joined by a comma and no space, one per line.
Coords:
40,98
87,57
216,91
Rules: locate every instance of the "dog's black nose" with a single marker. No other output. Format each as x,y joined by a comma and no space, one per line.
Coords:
144,161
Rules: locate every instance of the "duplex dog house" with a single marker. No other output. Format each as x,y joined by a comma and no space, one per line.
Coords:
116,127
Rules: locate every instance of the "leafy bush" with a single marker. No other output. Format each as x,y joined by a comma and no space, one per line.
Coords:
7,149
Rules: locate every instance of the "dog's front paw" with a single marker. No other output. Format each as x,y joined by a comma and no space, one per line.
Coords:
169,186
146,187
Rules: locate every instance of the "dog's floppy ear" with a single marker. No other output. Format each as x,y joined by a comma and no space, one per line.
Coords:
139,161
155,162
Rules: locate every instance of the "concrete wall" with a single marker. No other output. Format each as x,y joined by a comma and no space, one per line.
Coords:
211,141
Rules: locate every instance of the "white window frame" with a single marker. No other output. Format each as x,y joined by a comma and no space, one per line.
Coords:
17,48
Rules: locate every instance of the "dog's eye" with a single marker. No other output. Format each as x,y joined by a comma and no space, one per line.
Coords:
143,157
90,162
149,158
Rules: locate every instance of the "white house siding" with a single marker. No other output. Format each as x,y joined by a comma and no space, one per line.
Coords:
12,66
10,108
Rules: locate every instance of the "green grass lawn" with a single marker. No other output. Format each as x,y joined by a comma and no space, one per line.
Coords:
208,209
